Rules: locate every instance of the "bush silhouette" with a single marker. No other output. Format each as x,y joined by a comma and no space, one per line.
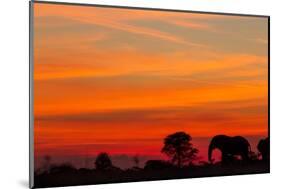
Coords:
103,162
63,168
158,165
179,149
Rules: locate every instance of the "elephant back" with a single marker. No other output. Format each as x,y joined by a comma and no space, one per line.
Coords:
241,142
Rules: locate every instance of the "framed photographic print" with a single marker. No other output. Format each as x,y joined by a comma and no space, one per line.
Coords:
126,94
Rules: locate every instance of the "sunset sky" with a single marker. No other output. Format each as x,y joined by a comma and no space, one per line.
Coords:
120,80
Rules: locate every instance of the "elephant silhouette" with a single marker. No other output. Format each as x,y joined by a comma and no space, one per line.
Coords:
229,147
263,147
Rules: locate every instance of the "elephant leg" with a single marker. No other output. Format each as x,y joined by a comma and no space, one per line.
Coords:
245,155
265,156
224,157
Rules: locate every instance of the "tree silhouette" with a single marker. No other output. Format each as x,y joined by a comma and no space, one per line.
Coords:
136,160
103,162
46,163
179,149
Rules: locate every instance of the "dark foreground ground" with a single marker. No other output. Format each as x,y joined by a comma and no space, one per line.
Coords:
68,176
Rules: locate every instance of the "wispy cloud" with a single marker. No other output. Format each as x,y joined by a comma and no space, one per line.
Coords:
92,91
262,41
119,21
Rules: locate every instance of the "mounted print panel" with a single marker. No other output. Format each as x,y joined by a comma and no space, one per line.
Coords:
131,94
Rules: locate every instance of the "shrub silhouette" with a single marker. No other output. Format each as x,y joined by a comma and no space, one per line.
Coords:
103,162
63,168
158,165
179,149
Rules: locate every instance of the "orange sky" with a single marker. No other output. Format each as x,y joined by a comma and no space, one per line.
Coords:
120,80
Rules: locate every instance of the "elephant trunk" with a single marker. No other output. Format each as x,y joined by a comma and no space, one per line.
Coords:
210,152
